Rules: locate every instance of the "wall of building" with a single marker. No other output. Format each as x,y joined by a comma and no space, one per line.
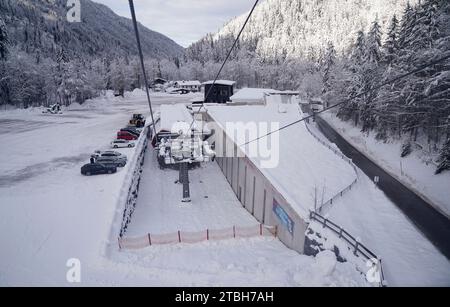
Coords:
257,194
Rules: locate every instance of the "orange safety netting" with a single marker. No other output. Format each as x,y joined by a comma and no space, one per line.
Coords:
197,237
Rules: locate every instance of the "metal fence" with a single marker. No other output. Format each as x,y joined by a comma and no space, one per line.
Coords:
359,250
330,201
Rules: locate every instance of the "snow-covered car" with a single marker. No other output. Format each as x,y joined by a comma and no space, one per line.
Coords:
122,144
113,154
53,109
115,161
97,169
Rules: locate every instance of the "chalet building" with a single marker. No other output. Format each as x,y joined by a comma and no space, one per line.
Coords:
221,91
263,96
193,86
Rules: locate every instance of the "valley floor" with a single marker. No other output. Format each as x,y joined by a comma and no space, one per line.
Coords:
50,213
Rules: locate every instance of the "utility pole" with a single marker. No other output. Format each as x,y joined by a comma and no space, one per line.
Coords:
141,56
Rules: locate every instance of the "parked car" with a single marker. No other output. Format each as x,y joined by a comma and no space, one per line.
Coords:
111,154
125,135
131,130
122,144
117,162
97,169
179,91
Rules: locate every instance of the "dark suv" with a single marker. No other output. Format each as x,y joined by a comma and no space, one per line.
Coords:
97,169
115,161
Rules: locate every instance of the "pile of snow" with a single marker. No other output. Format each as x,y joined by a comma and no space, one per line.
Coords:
263,262
176,118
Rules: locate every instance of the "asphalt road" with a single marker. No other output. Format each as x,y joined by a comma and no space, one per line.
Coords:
434,225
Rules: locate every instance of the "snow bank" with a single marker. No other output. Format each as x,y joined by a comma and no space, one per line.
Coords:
413,171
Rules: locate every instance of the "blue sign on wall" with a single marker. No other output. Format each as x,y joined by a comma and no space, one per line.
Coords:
283,216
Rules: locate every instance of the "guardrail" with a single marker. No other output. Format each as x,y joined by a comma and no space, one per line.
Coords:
359,249
196,237
330,201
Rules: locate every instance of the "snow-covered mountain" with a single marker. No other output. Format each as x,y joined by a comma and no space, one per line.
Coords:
298,28
41,25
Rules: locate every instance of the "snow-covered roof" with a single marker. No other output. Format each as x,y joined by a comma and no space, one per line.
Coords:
301,164
250,95
221,82
274,92
175,118
188,83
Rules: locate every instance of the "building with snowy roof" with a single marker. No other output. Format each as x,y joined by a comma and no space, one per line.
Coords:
190,85
219,91
279,178
249,96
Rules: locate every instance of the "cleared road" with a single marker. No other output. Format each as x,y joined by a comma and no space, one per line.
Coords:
434,225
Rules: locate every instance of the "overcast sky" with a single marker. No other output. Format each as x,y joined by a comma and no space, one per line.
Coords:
184,21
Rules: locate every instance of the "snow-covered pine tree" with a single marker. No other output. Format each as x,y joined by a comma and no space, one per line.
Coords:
373,44
444,158
355,82
4,41
390,47
370,76
328,79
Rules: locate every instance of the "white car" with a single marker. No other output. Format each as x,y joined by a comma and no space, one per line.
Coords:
122,144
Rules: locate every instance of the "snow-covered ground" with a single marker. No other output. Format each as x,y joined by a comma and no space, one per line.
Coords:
50,213
409,259
416,170
159,209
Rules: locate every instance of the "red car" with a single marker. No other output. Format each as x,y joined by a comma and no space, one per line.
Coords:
124,135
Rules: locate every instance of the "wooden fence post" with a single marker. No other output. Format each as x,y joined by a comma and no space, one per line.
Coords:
149,239
234,231
356,247
179,236
207,234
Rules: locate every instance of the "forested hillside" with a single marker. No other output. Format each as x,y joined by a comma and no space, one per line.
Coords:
285,40
46,59
416,107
